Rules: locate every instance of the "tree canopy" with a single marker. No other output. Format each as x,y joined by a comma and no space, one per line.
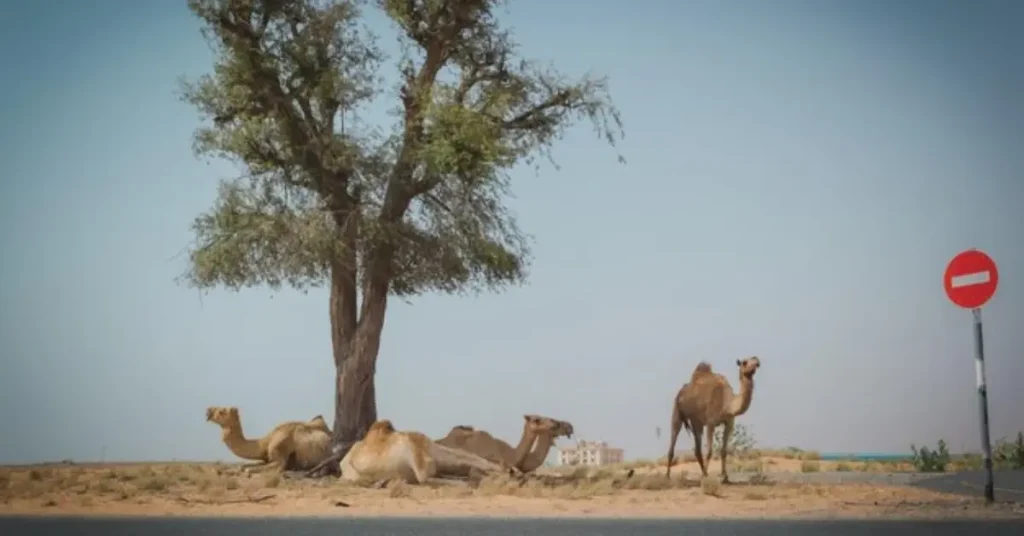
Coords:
422,199
369,210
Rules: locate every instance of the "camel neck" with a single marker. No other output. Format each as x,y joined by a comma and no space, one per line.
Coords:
525,442
236,442
538,455
741,403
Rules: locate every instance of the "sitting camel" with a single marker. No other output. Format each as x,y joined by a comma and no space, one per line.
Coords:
538,432
292,445
707,401
385,453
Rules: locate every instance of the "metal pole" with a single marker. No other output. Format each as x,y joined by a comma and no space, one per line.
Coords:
979,365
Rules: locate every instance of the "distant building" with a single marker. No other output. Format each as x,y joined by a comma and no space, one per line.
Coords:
590,453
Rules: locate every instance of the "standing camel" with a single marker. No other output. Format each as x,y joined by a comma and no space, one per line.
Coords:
707,401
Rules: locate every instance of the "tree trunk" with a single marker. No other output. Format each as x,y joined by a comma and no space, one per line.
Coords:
355,341
355,347
355,400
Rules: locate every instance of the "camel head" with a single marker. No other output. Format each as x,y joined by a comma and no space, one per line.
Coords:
555,427
225,416
748,367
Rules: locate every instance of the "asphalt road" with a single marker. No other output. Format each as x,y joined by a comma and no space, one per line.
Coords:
69,526
1009,485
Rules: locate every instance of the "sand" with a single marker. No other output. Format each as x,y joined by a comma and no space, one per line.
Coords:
189,489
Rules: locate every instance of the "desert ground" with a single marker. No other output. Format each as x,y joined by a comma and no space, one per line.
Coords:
760,491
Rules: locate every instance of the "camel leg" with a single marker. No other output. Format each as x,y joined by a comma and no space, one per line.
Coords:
710,449
271,465
278,453
677,425
697,431
421,473
725,446
257,467
348,471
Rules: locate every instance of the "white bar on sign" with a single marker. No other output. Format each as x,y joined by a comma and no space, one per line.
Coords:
979,369
965,280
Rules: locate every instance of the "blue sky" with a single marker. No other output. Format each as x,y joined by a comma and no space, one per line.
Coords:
798,175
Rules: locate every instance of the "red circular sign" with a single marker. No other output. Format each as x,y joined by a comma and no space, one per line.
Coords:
971,279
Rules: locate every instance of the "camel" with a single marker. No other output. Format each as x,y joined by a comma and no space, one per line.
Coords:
708,401
292,445
538,432
385,453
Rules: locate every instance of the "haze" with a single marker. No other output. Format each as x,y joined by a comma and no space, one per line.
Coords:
799,173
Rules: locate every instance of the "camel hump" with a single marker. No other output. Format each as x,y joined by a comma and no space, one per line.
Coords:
382,426
463,428
702,368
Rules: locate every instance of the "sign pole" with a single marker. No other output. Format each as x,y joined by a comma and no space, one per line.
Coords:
979,365
970,281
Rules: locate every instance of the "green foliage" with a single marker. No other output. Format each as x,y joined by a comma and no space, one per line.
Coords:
418,205
931,461
741,441
1008,454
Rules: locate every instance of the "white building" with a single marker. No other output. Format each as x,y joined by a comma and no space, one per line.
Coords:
590,453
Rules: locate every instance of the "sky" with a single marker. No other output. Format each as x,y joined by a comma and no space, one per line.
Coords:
798,175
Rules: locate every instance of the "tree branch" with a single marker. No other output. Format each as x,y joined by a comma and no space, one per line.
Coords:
269,93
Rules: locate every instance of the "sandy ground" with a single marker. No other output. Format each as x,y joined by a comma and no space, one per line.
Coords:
189,489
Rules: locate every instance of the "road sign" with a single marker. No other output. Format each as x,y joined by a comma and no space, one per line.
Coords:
971,279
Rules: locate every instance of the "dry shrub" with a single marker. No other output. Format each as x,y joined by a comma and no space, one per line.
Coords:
637,464
586,489
154,483
497,485
759,479
582,483
749,466
681,456
808,466
654,482
399,489
711,486
789,453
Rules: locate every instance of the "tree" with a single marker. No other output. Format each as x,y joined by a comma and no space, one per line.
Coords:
326,200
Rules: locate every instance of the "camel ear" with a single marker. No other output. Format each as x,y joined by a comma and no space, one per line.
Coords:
233,411
739,363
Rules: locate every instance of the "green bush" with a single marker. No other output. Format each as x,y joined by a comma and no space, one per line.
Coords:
1008,454
741,441
931,461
